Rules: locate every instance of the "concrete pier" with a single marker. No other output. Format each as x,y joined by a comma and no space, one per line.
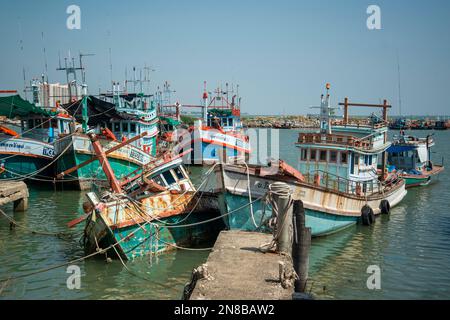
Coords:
16,192
237,269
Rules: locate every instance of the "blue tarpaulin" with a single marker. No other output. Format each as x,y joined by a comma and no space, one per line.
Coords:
392,148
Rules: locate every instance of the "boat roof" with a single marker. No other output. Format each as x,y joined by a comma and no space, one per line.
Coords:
14,106
99,111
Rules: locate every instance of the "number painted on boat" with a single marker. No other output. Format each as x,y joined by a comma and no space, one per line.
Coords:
136,155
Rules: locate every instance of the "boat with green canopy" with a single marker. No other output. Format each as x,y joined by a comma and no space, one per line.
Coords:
27,136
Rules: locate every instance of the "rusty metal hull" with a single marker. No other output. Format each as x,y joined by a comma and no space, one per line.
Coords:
327,211
150,225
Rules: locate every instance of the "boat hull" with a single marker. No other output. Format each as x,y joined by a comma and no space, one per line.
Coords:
327,211
412,180
136,237
208,145
22,157
123,162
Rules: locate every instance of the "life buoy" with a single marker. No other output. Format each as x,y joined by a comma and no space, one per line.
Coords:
108,134
367,215
385,207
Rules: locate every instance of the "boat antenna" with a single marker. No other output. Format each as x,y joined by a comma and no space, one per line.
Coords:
399,92
110,67
25,87
45,55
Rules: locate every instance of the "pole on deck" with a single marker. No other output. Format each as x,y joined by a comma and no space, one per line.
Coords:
346,110
103,159
110,150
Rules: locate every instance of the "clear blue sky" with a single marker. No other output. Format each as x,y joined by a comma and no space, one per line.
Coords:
280,52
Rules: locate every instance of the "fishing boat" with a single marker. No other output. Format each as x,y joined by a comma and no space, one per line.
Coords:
27,139
410,157
339,187
126,117
219,129
151,212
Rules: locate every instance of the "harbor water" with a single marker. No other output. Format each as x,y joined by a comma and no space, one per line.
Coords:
410,246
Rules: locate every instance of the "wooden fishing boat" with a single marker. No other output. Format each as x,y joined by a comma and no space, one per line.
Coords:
340,186
410,157
128,116
154,211
27,148
219,129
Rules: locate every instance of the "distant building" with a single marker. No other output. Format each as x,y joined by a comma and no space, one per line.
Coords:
48,94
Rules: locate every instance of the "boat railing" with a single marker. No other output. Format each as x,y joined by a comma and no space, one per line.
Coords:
345,140
340,184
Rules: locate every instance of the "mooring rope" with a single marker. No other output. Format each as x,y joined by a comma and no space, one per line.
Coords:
45,233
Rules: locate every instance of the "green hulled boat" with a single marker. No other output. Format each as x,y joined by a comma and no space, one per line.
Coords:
115,118
410,157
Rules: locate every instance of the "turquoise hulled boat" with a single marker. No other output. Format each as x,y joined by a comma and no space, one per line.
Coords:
126,117
27,138
155,212
410,157
340,185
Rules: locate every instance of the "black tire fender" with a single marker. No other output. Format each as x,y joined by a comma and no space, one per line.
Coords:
385,207
367,215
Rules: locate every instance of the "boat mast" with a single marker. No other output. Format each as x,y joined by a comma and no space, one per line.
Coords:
205,105
399,91
325,122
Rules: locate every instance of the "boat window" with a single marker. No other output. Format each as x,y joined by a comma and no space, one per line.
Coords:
38,123
132,127
343,157
178,173
304,154
313,155
109,125
370,160
333,156
352,163
230,122
54,123
168,177
30,123
124,126
117,127
323,155
159,181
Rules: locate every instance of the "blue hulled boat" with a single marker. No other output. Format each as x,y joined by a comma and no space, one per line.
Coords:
340,184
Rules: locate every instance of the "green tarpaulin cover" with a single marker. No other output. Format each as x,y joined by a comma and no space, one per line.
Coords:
15,106
170,121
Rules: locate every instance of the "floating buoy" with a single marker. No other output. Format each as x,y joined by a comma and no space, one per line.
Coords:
367,215
385,207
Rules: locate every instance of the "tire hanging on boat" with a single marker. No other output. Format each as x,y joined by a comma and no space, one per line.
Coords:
367,216
385,207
